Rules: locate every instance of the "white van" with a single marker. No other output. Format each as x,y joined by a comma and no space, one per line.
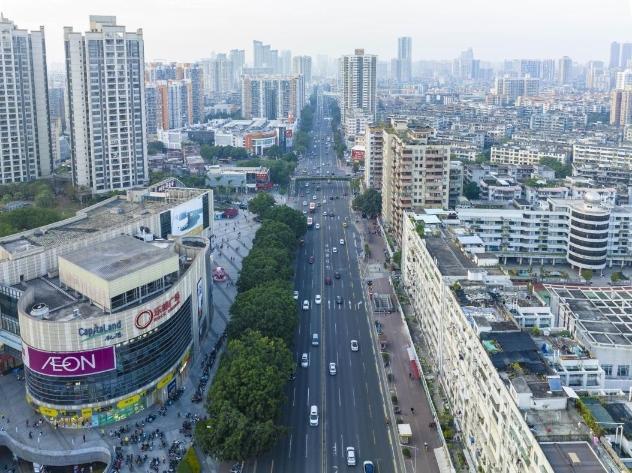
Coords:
313,416
315,341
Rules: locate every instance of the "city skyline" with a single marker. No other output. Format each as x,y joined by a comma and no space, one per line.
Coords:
197,30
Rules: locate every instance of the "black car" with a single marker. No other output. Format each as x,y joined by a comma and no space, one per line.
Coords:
338,299
337,274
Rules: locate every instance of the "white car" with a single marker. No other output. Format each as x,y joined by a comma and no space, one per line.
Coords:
332,369
317,226
324,201
334,250
304,360
342,241
314,197
313,416
351,457
354,345
317,299
295,295
305,304
325,213
304,203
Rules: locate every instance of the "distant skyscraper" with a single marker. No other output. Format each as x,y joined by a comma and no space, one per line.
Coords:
265,57
196,75
404,59
511,88
106,98
272,97
357,83
565,70
303,65
25,140
548,70
624,79
152,109
626,56
56,100
465,65
285,66
615,54
237,59
179,103
218,75
533,67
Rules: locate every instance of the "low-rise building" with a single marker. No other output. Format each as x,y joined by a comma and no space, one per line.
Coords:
244,179
518,155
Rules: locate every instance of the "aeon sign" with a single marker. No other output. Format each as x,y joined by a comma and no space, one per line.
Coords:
81,363
150,316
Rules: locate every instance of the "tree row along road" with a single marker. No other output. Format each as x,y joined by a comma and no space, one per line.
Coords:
350,403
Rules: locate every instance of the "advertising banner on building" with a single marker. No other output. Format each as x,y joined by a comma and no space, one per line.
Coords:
187,217
81,363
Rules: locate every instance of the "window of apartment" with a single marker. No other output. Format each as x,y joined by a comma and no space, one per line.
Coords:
607,369
623,371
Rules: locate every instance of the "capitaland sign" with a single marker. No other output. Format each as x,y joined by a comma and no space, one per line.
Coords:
149,317
81,363
110,331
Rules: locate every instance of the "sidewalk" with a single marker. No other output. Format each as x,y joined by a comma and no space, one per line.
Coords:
405,386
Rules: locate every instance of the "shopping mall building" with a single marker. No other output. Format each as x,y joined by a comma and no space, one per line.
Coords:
109,306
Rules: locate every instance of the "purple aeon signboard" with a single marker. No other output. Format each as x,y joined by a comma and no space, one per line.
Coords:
80,363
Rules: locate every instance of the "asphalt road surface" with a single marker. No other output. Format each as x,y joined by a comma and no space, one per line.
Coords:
351,402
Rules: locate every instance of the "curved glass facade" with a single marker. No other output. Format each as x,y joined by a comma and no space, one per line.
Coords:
139,362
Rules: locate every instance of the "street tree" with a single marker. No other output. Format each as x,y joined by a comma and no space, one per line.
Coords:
260,203
271,229
289,216
369,203
269,309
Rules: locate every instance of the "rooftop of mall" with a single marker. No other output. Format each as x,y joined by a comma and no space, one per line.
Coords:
110,213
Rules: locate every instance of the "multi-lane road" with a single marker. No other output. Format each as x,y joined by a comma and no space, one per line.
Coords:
351,402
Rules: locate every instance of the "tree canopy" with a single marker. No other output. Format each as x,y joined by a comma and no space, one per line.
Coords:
268,308
471,190
289,216
561,169
245,398
260,203
260,269
369,203
275,230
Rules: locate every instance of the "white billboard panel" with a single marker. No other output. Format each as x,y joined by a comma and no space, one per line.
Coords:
187,217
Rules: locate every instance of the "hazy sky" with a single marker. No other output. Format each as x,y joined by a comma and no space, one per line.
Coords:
186,30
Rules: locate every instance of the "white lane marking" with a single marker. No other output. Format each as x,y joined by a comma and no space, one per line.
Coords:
294,397
354,399
306,449
308,396
289,452
339,398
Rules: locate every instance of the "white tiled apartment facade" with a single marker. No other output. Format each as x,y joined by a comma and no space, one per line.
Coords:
25,135
416,174
106,99
494,431
374,148
520,156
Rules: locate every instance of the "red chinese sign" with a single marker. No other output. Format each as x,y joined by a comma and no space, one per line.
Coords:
147,317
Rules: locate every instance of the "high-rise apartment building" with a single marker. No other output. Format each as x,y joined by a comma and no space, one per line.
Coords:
106,98
285,62
25,134
531,67
565,71
625,60
512,88
404,59
265,57
218,75
615,54
303,65
373,156
624,79
195,74
357,89
272,97
621,106
152,109
237,59
548,70
415,172
180,106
